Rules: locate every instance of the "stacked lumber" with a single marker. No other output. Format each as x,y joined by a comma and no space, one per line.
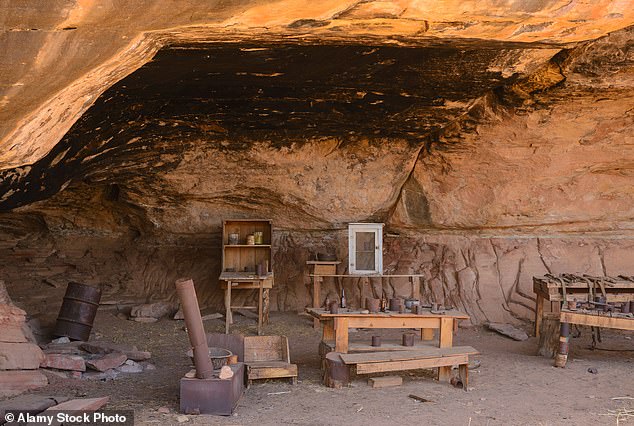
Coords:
19,358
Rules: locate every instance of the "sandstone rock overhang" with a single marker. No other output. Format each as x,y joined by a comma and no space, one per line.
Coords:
230,95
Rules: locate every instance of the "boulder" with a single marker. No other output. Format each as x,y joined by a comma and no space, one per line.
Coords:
20,356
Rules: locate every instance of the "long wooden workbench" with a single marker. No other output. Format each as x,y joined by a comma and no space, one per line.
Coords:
582,289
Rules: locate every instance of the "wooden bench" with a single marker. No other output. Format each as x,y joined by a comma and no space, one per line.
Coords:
378,362
268,357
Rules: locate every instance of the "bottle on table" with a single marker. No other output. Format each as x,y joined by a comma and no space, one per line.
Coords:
343,298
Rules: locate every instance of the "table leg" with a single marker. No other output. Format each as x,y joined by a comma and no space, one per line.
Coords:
445,341
341,335
328,332
316,297
266,310
228,319
539,313
260,291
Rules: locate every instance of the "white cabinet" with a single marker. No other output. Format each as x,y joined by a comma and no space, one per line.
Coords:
365,248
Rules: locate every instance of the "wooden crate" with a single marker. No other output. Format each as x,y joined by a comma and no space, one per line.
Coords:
268,357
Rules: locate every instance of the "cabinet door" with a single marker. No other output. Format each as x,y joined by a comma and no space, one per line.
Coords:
365,249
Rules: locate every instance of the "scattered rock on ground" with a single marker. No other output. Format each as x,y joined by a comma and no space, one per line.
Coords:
154,310
61,340
107,362
64,362
130,367
179,315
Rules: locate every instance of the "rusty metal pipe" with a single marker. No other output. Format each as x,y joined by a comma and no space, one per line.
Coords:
195,329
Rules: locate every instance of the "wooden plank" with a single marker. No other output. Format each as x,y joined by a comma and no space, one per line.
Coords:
262,348
267,364
539,313
597,321
386,346
323,314
394,322
341,334
255,373
445,341
363,358
328,332
379,367
286,354
385,381
446,332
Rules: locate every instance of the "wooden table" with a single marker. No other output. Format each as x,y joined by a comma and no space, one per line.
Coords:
552,290
335,326
323,270
246,281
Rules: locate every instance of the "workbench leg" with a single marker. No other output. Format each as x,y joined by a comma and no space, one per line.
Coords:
564,339
427,333
228,319
445,341
316,297
539,313
341,335
260,291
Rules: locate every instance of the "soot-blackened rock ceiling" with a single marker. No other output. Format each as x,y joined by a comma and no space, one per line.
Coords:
230,96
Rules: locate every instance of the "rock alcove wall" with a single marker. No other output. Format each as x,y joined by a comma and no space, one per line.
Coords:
489,162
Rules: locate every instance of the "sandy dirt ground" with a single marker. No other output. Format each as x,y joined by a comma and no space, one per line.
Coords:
512,386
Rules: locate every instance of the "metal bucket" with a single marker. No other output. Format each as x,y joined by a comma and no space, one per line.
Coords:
78,311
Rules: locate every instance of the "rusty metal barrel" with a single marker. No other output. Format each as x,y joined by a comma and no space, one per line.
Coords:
78,311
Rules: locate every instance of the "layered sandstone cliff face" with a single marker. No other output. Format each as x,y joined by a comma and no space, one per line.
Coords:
489,160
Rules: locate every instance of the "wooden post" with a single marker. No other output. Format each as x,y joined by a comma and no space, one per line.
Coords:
445,341
316,297
260,291
415,282
341,335
228,318
266,299
539,313
328,332
549,336
463,372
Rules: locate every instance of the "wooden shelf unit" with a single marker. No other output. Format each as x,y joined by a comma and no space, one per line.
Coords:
237,257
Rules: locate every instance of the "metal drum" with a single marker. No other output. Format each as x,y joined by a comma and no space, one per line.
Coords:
78,311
